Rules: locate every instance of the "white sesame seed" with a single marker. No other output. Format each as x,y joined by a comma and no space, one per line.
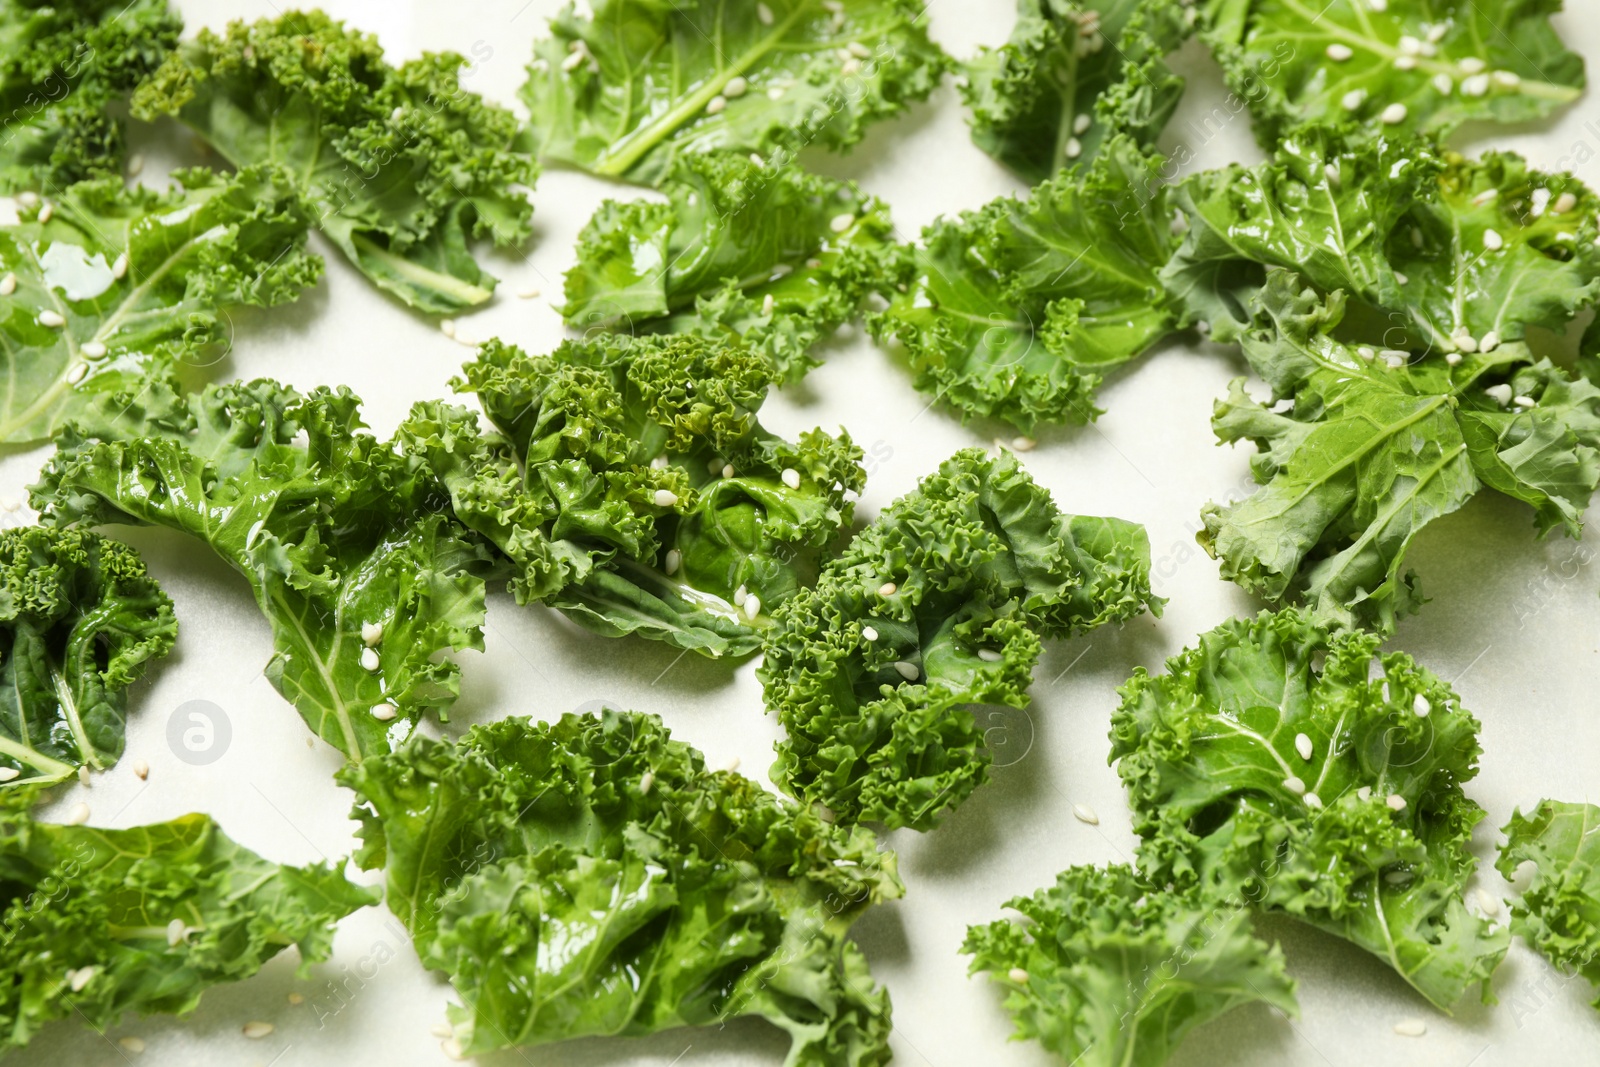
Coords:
1364,793
732,765
813,264
1180,223
1074,148
646,781
83,776
1401,278
77,372
908,671
1018,975
1490,342
728,471
888,589
28,199
256,1029
8,284
869,633
666,498
1488,903
1331,170
77,816
716,104
93,349
1472,65
51,319
1564,203
1405,62
740,595
1452,358
768,303
1421,706
1444,83
1339,52
1023,444
1409,45
1488,196
775,92
735,88
1353,100
1302,745
141,769
764,13
530,293
673,561
371,633
1394,114
791,477
384,712
1493,241
1437,31
1524,401
859,50
1506,78
840,223
1410,1027
447,327
1475,85
119,266
441,1030
176,932
574,61
47,212
1500,394
1367,352
1084,813
1395,359
132,1044
1429,49
989,655
752,606
452,1049
1312,801
1396,802
81,977
850,66
369,659
1465,342
9,503
1295,785
1082,123
1397,877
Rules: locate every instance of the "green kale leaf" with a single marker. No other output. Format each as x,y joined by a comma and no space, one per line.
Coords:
1070,77
348,545
1290,767
774,255
1112,972
105,285
1404,66
1559,913
1016,311
80,620
102,922
404,166
639,85
592,877
62,65
938,605
630,485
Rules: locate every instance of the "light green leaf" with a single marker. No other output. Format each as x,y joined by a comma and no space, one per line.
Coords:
1559,911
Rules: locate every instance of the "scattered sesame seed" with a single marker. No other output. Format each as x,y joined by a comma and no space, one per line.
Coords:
1084,813
1332,172
728,471
659,463
740,595
1444,83
1367,352
1488,903
1395,358
646,781
369,659
775,92
716,104
371,633
530,293
850,66
764,13
78,815
83,775
1082,123
1437,31
908,671
1018,975
1524,401
176,932
51,319
859,50
8,284
93,349
1397,877
1405,62
1500,394
384,712
1313,801
666,498
119,266
46,212
1564,203
732,766
81,977
1353,100
1396,802
1023,444
1401,278
1421,706
1464,342
735,88
888,589
255,1030
1339,52
574,61
1506,78
813,264
452,1048
791,477
1452,358
1472,65
296,999
1490,342
869,633
141,769
674,561
132,1044
1302,745
989,655
1394,114
447,327
840,223
1074,148
1493,241
1295,785
1488,196
1410,1027
1475,85
768,303
28,199
441,1030
752,606
1409,45
1364,793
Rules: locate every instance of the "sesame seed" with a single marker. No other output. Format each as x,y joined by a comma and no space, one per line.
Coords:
869,633
141,769
1396,802
371,633
1302,745
1452,358
1082,123
732,765
28,199
1394,114
1437,31
1331,170
1488,903
51,319
176,933
1490,342
859,50
1397,877
530,293
369,659
575,60
1084,813
1180,222
1395,358
1018,975
1367,352
716,104
447,327
1364,793
813,264
775,93
1353,100
1023,444
1523,401
441,1030
728,471
1564,203
93,349
1294,785
1500,394
1488,196
1074,148
1401,278
1472,65
1339,52
83,775
791,477
752,606
77,372
1378,5
989,655
740,595
81,977
119,266
47,212
132,1044
1405,62
1409,45
735,88
1506,78
908,671
674,561
659,463
850,66
8,284
666,498
384,712
78,815
888,589
295,998
452,1049
646,781
1475,85
1312,801
1410,1027
1444,83
256,1029
841,223
1493,241
1464,342
1421,706
764,13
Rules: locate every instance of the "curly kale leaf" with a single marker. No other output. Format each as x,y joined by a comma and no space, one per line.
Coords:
1559,913
1070,77
592,877
939,604
106,285
62,66
630,485
80,620
639,85
103,922
347,544
1406,65
773,255
404,166
1112,972
1016,311
1291,767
